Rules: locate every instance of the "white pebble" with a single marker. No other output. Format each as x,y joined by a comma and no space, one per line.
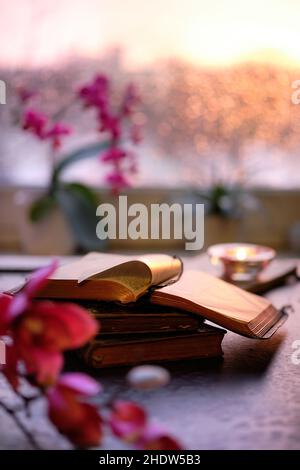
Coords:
148,377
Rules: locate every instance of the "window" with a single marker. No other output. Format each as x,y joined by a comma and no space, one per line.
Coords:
215,78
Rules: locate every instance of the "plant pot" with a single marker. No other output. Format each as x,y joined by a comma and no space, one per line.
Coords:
50,236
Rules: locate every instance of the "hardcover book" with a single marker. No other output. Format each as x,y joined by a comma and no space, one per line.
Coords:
125,279
140,318
137,349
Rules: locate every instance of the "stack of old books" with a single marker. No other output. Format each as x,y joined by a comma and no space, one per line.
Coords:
150,310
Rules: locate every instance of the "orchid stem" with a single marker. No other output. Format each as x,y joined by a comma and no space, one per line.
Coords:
13,413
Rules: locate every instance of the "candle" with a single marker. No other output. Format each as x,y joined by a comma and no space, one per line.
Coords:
241,261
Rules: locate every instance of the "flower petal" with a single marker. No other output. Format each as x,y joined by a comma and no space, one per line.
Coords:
43,366
80,383
55,326
39,279
10,368
80,422
127,420
5,316
155,438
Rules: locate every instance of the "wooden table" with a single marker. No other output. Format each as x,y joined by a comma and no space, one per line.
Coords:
248,400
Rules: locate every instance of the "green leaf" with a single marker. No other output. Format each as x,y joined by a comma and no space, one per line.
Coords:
41,208
86,192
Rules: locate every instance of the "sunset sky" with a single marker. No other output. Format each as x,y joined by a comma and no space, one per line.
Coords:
211,32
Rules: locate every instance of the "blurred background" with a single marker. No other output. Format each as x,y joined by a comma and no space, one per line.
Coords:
218,120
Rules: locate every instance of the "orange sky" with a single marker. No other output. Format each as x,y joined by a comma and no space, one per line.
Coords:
212,32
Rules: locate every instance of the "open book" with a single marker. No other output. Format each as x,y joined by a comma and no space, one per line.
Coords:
125,279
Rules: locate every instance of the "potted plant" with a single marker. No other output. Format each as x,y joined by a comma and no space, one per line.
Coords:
70,207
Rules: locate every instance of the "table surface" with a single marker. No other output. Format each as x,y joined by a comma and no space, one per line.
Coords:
250,399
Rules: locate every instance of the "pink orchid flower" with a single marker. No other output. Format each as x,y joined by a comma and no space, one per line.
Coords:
68,410
155,438
41,330
111,124
35,122
127,420
117,180
113,120
56,132
95,93
113,154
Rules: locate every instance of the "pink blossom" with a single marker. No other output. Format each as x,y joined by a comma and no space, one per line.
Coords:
56,132
95,93
113,154
111,124
78,420
113,120
42,330
117,180
35,122
155,438
127,420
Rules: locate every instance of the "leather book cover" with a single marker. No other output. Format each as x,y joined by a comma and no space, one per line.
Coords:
125,350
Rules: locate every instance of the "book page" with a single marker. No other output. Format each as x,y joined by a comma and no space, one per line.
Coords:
215,295
162,267
150,269
87,266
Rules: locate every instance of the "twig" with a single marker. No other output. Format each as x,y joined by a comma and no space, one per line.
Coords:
13,413
27,400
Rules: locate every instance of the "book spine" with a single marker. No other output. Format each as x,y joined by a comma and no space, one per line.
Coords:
99,356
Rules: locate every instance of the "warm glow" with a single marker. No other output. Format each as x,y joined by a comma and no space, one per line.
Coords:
241,254
214,33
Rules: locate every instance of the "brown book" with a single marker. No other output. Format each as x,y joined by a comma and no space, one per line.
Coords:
107,277
138,349
140,318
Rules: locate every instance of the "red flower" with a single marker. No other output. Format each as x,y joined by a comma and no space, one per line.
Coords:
117,180
95,93
113,154
56,132
111,124
42,330
35,122
78,420
5,313
155,438
127,420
